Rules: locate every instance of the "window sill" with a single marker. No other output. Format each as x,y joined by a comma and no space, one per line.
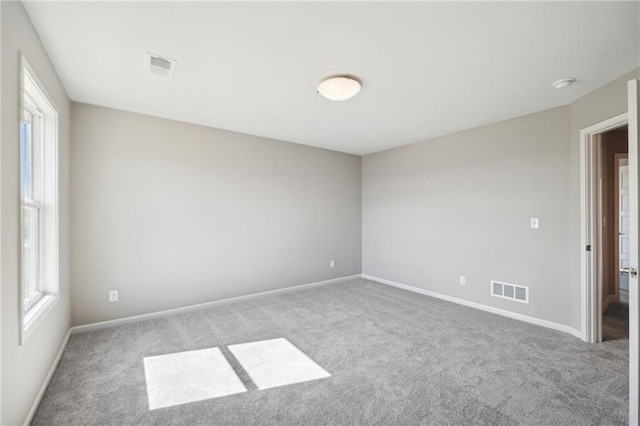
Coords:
35,315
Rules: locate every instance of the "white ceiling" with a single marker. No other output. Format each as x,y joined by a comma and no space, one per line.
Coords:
428,69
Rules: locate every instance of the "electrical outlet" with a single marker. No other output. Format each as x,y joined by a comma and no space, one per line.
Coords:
113,296
332,264
463,280
535,223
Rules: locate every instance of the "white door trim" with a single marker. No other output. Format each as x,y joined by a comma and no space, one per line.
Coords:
590,323
633,93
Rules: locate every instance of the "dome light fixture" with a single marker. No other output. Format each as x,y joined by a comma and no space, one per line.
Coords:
565,82
340,87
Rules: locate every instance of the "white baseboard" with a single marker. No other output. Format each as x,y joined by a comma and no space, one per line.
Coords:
47,380
144,317
498,311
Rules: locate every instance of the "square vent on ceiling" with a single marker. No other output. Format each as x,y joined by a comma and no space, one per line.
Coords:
160,66
518,293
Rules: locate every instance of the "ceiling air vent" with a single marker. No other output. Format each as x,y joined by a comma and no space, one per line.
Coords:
510,291
160,66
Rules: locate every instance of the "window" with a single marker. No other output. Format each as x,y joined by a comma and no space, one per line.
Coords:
38,202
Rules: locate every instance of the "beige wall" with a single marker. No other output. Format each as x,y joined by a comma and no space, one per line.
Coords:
172,214
25,367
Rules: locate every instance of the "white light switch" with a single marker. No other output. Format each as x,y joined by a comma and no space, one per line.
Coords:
535,223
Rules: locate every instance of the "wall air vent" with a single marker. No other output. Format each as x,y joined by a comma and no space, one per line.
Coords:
510,291
159,66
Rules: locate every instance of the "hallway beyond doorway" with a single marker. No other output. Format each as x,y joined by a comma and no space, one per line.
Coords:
615,321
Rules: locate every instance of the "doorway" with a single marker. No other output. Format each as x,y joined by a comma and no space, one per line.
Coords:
614,233
596,238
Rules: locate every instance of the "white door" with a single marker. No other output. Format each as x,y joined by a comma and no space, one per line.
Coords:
623,225
634,336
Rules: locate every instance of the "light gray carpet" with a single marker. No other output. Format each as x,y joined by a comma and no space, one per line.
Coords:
396,358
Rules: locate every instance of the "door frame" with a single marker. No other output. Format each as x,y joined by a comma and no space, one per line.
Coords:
633,97
590,229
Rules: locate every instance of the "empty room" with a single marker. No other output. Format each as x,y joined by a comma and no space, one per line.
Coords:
319,213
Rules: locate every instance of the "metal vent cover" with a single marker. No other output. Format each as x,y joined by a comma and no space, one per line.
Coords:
515,292
497,288
159,62
159,65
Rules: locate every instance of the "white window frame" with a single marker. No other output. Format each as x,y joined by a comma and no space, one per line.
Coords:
34,98
37,125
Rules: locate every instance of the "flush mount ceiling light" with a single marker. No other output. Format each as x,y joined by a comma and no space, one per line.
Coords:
565,82
340,87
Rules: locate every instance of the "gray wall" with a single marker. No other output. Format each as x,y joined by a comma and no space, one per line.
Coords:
24,368
460,205
172,214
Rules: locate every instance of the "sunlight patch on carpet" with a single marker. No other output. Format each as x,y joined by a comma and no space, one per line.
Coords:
276,362
184,377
